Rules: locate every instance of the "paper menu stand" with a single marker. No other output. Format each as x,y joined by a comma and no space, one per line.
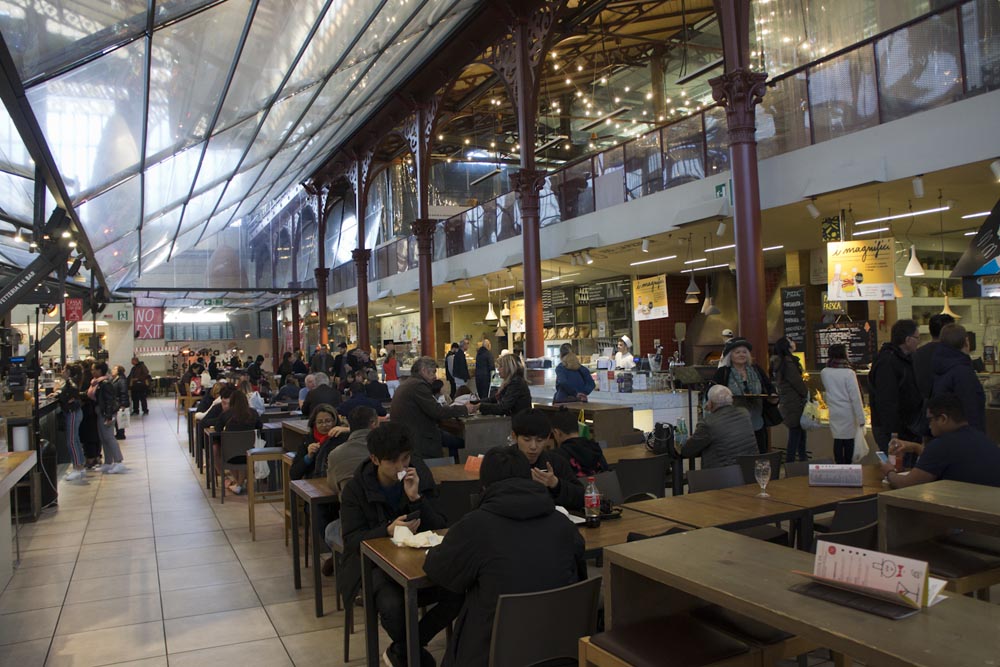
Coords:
831,474
895,579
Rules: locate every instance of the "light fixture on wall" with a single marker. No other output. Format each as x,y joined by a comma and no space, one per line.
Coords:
645,245
918,186
811,207
587,259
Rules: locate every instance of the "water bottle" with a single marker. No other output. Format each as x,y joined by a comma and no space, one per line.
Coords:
592,504
681,432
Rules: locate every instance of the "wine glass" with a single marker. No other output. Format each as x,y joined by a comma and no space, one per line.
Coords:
762,471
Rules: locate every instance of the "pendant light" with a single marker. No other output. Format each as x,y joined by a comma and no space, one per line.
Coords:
692,289
947,301
914,267
490,313
505,311
947,309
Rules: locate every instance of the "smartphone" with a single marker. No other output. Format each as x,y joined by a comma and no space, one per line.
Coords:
882,456
412,516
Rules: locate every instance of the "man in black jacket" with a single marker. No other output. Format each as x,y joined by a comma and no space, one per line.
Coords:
460,365
894,397
514,542
953,374
254,370
583,455
321,394
373,504
532,431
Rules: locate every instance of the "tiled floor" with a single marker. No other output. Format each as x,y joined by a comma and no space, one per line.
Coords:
146,569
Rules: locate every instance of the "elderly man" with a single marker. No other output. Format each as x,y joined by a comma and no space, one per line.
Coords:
415,406
308,384
724,434
323,393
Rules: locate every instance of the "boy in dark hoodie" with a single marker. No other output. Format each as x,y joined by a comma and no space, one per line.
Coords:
531,431
583,455
514,542
372,505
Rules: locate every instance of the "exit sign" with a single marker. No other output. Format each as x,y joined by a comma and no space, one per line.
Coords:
121,316
211,302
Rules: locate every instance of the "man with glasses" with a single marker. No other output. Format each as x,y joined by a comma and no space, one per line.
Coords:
956,452
895,400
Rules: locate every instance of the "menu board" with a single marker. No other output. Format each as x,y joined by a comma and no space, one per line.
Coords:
860,338
793,312
556,297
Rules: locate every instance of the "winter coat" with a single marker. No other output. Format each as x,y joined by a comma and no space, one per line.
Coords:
365,515
322,394
792,390
105,399
69,397
484,371
569,491
953,374
584,456
414,406
343,460
138,376
722,435
316,466
514,542
121,390
843,400
571,379
460,366
893,395
511,399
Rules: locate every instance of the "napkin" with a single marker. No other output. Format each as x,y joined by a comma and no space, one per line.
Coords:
404,537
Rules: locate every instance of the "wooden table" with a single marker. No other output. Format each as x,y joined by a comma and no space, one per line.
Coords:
616,531
190,429
723,509
293,433
453,473
796,491
13,466
679,572
615,454
313,493
609,422
925,511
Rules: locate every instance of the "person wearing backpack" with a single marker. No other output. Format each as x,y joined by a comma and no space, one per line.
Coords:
102,391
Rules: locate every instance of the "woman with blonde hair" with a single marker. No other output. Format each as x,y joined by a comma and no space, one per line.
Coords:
513,396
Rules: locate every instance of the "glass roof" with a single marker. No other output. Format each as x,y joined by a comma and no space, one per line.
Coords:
170,119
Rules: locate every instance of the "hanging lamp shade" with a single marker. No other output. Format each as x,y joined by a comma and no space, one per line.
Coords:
712,308
490,314
947,309
896,292
691,298
693,288
914,267
505,311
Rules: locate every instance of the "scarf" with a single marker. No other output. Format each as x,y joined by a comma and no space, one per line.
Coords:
319,437
838,363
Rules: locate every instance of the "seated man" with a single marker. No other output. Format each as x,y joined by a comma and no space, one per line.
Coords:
357,399
322,394
957,451
723,434
308,384
345,459
582,454
289,392
375,389
373,503
531,432
514,542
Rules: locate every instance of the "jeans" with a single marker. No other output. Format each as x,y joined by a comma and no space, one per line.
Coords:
389,601
73,420
843,450
106,430
139,399
796,444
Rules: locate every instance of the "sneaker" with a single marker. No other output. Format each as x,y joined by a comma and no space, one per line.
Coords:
120,436
75,475
395,655
106,467
237,490
117,468
146,412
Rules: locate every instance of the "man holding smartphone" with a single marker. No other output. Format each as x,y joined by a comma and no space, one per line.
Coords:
389,490
532,433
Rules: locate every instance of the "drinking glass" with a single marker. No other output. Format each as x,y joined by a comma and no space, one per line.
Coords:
762,471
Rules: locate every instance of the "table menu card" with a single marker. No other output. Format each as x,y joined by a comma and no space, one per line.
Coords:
834,474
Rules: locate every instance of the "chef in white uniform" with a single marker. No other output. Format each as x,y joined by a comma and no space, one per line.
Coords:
623,357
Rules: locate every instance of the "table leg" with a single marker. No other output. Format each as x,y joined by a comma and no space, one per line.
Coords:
806,531
371,616
17,525
412,626
317,570
296,569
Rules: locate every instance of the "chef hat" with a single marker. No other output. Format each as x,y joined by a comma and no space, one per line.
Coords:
627,341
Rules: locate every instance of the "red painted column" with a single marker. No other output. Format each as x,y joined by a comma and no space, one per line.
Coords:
275,347
322,273
423,229
361,257
527,185
296,323
739,90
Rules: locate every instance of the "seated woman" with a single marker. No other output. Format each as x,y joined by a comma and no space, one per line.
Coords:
327,433
253,397
239,417
513,396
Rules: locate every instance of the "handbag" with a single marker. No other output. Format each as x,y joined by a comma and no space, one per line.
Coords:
261,469
124,418
860,445
770,413
661,440
810,416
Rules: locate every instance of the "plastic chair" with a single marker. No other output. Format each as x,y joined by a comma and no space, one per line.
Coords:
747,464
710,479
440,461
610,488
454,498
233,444
645,475
862,537
531,628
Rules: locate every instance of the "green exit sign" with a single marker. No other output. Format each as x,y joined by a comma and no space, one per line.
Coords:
211,302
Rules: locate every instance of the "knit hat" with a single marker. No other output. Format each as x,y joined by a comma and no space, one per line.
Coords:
735,343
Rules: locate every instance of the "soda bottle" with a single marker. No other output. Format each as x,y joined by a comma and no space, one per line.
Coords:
592,504
895,459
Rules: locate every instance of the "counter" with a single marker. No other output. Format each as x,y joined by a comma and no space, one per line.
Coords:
13,466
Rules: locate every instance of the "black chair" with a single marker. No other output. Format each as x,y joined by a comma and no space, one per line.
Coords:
634,437
524,632
454,498
692,644
608,485
335,540
711,479
440,461
849,515
233,448
646,475
747,464
861,537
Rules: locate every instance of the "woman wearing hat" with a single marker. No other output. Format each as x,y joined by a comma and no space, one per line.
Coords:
623,357
745,378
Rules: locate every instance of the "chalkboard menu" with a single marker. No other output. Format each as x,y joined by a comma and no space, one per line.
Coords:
561,296
548,315
860,338
556,297
793,312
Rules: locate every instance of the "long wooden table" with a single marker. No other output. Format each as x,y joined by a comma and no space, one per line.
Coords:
313,493
293,433
925,511
615,454
796,490
679,572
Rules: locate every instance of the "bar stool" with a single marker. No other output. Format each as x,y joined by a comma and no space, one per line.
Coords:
254,497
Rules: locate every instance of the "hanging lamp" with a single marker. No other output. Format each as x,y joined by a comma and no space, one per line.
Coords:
490,313
505,311
947,309
692,289
914,267
947,301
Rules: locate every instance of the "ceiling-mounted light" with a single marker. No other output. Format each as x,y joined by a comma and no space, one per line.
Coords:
721,247
693,288
981,214
811,207
877,230
918,187
650,261
947,309
645,245
721,230
995,168
505,311
490,314
914,267
587,259
909,214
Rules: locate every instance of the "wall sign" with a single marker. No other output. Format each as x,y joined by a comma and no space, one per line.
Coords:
649,298
74,309
148,323
861,270
860,338
793,312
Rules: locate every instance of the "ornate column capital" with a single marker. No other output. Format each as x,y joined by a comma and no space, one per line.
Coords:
739,92
423,229
361,256
321,273
528,182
